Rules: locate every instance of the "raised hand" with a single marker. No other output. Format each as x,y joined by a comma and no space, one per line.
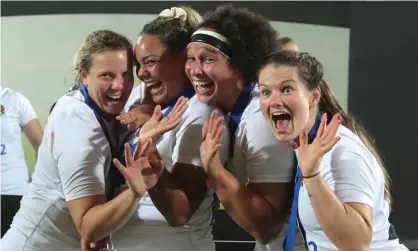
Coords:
155,127
139,173
211,143
136,117
310,155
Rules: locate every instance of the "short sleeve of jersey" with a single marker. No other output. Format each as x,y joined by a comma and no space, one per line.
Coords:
80,149
267,160
189,137
351,175
26,111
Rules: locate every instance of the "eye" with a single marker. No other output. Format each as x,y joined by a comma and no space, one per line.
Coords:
208,60
265,92
287,90
150,62
190,58
106,76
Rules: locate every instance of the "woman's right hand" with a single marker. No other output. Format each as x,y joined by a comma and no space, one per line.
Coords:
140,175
136,117
154,128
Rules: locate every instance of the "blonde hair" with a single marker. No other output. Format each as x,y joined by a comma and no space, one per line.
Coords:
97,42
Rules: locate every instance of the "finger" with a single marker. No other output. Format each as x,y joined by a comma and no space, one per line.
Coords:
215,150
128,156
219,133
179,104
205,129
326,148
119,166
322,125
303,139
179,110
212,122
332,128
147,149
144,148
123,117
157,113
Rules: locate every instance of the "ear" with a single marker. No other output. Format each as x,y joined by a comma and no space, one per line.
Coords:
83,76
315,96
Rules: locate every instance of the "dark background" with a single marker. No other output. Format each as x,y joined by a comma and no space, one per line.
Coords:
383,79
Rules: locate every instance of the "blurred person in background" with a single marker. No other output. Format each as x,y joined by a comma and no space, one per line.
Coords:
16,115
287,44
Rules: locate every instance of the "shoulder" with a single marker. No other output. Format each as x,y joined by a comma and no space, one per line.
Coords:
73,114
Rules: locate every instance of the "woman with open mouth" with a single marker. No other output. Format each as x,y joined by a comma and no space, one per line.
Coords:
341,196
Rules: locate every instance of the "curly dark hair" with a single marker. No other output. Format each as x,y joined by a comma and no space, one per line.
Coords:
251,36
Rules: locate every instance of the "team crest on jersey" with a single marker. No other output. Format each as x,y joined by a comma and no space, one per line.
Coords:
2,109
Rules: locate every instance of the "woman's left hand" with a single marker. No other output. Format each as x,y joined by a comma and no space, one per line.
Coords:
310,155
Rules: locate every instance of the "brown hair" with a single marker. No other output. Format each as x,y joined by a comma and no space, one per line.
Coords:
97,42
173,31
311,71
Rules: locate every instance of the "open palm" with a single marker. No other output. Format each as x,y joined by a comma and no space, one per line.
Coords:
155,127
139,173
310,155
211,143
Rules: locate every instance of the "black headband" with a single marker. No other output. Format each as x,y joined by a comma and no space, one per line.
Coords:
213,39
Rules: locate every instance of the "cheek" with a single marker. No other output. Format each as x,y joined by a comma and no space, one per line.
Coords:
264,106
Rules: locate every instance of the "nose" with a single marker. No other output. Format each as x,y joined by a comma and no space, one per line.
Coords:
276,99
143,73
118,83
194,69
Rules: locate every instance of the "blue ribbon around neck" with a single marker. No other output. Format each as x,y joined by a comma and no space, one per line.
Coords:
289,242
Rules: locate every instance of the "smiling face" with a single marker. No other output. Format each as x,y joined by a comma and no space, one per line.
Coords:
161,72
109,81
286,102
211,74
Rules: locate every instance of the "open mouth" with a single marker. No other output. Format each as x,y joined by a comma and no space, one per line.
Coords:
281,120
114,97
154,87
203,87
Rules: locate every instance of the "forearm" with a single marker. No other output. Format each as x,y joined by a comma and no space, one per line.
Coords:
105,219
341,223
248,209
170,199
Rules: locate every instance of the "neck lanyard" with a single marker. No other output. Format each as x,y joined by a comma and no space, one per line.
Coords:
114,174
289,242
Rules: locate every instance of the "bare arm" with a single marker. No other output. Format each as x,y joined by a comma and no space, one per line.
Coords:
95,218
347,225
34,133
260,208
179,194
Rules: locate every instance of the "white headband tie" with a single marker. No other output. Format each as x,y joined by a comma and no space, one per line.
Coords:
175,12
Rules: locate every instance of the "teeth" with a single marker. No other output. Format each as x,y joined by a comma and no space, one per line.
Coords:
115,96
200,83
152,83
278,113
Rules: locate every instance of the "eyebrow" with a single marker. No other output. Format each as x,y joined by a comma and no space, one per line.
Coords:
148,56
281,83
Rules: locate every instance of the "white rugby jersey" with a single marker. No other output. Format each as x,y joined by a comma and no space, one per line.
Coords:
15,112
148,229
73,162
354,175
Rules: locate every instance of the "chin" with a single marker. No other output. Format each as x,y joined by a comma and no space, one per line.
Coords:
205,99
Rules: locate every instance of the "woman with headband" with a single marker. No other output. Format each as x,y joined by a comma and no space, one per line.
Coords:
224,56
177,213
